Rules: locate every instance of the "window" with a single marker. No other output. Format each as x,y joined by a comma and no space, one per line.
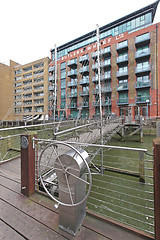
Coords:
63,83
142,65
143,78
63,103
63,65
63,73
123,70
63,93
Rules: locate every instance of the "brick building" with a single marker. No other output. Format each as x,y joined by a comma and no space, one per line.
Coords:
129,70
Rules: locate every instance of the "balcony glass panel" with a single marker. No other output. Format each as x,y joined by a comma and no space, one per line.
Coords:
142,38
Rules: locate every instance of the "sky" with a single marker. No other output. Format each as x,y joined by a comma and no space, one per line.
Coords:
30,29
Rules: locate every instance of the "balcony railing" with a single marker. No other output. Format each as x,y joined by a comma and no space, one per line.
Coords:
72,105
106,102
105,76
83,58
122,59
143,54
122,101
84,104
143,99
105,51
72,73
145,38
122,87
143,84
122,46
51,78
84,80
106,63
72,94
122,74
95,78
143,69
84,69
51,69
72,63
84,93
51,88
72,83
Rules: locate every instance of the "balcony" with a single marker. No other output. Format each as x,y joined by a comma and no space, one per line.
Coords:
103,90
72,83
143,39
122,101
122,87
95,67
95,79
106,76
51,88
72,63
94,55
122,46
84,93
143,54
72,105
106,51
84,104
51,97
143,84
51,69
143,99
106,63
84,58
142,70
84,70
84,80
106,102
122,59
72,94
51,78
72,73
122,74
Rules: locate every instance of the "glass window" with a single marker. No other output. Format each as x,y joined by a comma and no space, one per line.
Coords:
128,25
63,93
63,65
148,18
124,27
63,73
138,22
133,23
63,83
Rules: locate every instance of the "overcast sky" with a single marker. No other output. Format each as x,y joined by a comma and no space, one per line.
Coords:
29,29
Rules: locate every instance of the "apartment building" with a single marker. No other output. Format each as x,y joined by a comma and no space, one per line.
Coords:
6,91
31,90
129,70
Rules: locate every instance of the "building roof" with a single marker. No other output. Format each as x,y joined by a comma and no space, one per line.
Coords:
150,8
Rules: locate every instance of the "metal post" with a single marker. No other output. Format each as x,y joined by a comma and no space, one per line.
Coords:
55,86
27,164
100,97
156,178
158,129
141,167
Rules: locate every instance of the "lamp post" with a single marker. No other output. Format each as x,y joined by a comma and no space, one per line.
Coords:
147,101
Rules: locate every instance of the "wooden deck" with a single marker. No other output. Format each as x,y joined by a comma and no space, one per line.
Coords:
35,217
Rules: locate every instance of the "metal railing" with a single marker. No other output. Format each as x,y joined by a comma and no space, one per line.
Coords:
124,192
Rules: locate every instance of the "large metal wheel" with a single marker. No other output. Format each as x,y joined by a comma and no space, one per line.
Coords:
55,169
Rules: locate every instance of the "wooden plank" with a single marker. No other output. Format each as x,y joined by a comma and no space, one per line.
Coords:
42,215
25,225
6,232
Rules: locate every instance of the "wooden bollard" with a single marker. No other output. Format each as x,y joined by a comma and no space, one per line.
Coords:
156,178
27,164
